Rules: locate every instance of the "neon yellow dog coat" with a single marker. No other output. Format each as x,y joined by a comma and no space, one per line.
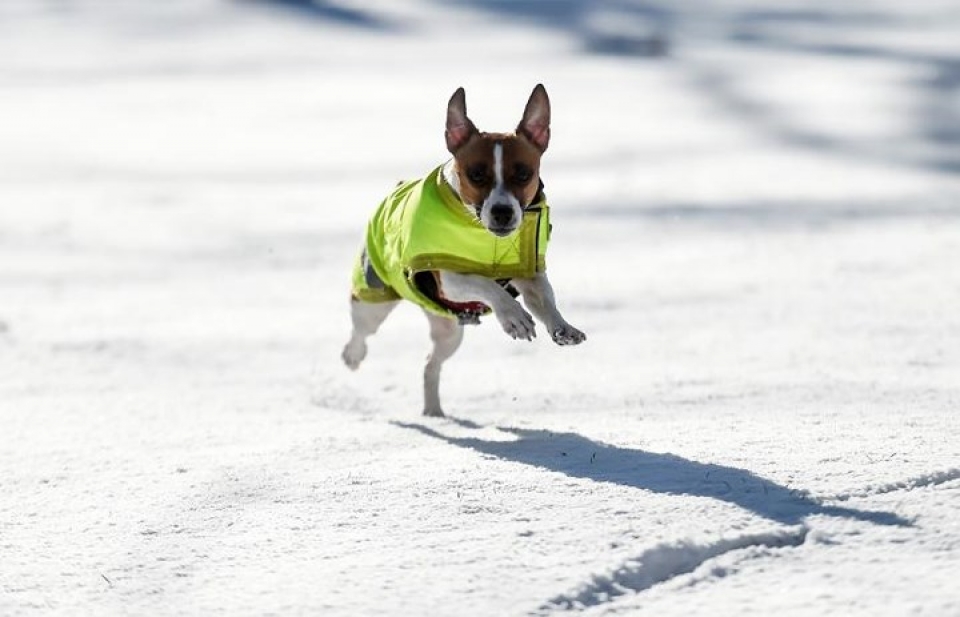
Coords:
422,227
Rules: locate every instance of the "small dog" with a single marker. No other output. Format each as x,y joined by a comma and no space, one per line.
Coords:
465,240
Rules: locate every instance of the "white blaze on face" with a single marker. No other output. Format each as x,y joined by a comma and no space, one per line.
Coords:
500,196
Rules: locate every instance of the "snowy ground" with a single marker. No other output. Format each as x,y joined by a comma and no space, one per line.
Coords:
758,228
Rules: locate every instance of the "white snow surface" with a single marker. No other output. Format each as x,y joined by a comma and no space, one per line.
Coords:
756,221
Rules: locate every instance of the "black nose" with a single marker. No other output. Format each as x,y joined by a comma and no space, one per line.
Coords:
501,214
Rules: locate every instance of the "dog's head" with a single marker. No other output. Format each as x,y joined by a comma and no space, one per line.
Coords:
498,174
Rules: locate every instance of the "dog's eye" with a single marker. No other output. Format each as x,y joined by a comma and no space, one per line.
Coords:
477,175
522,175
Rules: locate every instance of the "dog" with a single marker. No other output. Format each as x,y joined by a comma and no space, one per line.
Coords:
463,241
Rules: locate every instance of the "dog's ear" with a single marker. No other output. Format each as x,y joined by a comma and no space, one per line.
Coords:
535,124
459,127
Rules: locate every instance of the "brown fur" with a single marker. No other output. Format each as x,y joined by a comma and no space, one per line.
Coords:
518,155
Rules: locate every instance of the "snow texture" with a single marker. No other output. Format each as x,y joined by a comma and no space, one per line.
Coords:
756,221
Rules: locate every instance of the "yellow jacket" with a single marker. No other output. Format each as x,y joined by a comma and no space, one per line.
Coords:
422,227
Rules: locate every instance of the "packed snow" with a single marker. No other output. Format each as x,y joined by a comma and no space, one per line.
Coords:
756,221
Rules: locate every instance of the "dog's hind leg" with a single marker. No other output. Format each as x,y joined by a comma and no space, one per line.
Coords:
446,335
366,317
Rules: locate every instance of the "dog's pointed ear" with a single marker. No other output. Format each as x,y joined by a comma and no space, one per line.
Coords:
459,127
535,124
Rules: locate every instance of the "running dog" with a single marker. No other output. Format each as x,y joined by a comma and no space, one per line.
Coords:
463,241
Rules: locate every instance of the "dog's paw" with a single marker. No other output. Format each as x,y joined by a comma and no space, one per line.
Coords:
517,322
568,335
353,354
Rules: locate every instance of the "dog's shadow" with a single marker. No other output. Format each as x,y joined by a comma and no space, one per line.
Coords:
579,457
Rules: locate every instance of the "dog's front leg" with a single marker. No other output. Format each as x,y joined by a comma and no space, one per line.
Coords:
538,296
471,288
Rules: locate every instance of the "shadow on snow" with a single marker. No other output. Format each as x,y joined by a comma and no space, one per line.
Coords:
653,28
625,28
579,457
323,10
649,28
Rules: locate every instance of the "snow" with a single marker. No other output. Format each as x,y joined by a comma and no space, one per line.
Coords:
758,230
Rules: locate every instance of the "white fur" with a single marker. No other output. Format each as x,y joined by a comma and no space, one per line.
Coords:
470,288
538,296
500,195
450,175
447,334
366,318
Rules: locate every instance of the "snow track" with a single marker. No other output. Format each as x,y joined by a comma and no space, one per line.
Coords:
922,481
665,562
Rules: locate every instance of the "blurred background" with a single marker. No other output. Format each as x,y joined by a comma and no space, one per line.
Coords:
198,172
756,221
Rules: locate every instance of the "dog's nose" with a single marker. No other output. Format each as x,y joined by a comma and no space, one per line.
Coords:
501,214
